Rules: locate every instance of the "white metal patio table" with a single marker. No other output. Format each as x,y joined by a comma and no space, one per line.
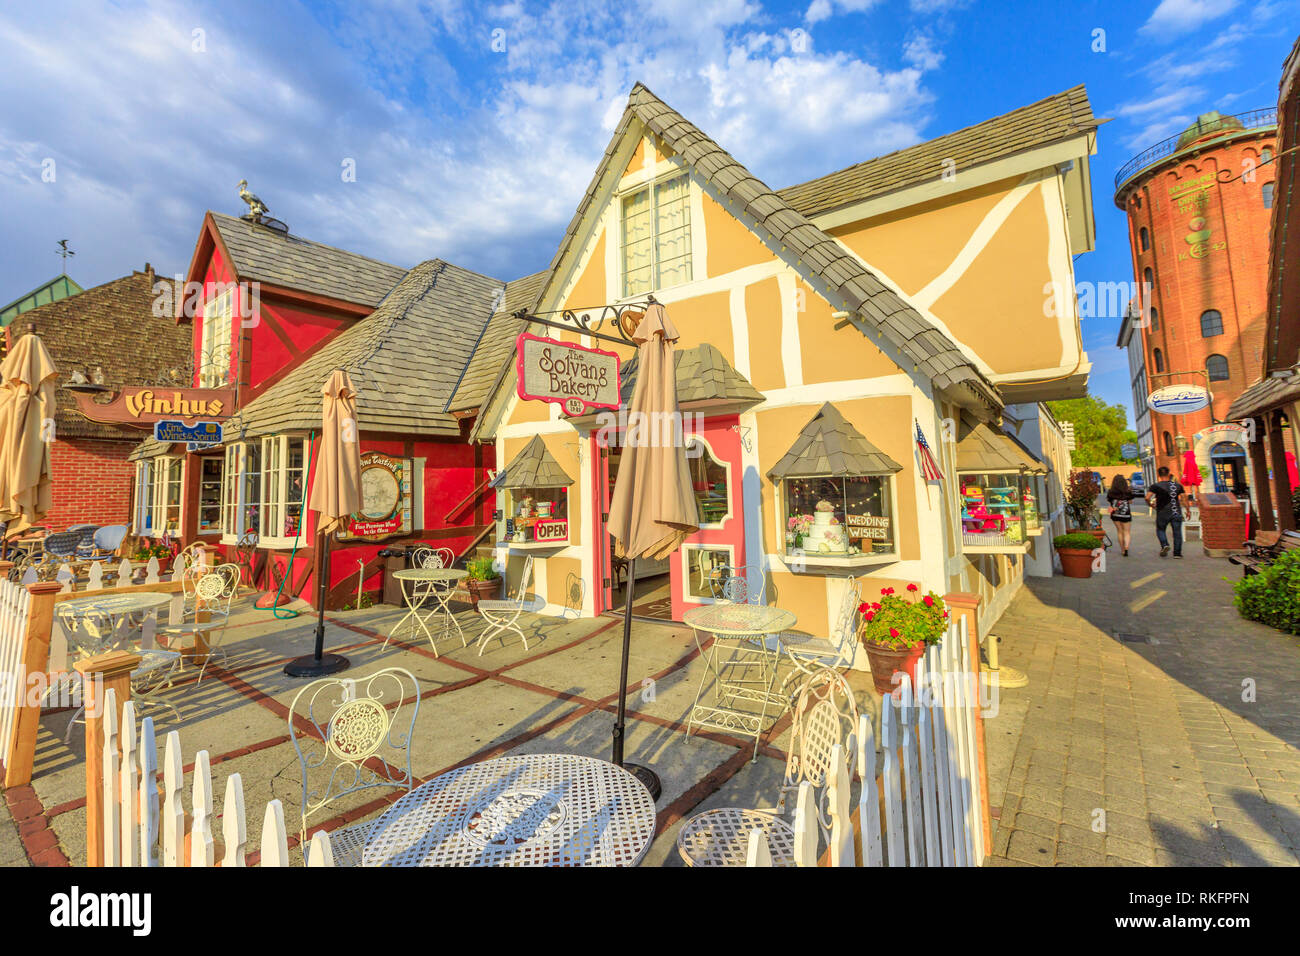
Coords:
420,586
742,666
118,608
523,810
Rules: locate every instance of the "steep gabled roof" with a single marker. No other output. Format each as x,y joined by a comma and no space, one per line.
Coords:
983,448
1050,120
496,346
829,445
534,467
263,254
405,359
881,312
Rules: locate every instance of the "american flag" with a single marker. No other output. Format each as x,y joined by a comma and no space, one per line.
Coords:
929,467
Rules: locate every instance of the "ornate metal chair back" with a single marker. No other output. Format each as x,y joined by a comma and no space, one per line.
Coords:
353,733
825,714
739,584
845,635
525,581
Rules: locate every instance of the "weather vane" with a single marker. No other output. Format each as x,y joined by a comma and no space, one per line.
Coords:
63,251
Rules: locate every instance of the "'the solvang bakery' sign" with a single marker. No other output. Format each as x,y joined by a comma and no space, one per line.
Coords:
144,405
575,378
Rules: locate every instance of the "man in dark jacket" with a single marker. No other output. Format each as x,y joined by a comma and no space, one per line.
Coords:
1165,497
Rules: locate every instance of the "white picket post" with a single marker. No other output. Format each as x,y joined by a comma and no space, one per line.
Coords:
321,852
66,577
124,573
952,737
151,572
128,786
942,791
173,819
275,841
757,853
201,845
234,831
892,783
911,775
841,845
148,801
925,749
963,765
111,794
95,576
969,652
869,797
805,826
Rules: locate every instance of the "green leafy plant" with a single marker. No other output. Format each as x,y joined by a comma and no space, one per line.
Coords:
144,552
1076,541
899,621
482,569
1081,492
1295,502
1272,596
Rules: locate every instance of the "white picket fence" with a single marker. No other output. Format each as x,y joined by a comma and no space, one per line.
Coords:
929,776
14,604
143,826
96,574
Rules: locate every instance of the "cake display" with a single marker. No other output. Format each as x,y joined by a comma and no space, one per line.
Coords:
827,535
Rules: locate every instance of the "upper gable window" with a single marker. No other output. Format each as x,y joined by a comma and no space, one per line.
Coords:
215,344
657,236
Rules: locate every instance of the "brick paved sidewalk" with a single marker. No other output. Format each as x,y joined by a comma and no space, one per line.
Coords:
1164,737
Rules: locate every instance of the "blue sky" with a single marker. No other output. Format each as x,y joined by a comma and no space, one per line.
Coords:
474,127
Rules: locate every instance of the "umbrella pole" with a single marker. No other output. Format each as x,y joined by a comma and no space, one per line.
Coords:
647,776
319,664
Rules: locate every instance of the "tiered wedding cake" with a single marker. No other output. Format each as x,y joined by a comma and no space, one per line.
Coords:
827,534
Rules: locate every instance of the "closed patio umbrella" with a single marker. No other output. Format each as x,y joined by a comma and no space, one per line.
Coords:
653,507
26,432
335,494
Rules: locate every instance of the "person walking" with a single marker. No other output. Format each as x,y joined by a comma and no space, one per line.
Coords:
1119,496
1165,497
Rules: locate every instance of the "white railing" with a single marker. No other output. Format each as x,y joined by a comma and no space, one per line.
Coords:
927,807
143,825
15,603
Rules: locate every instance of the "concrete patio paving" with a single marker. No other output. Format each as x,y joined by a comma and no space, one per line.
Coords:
559,695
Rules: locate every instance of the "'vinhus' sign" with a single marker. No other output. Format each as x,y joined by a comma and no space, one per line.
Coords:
575,378
143,406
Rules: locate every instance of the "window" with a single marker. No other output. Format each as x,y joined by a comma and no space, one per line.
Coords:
1266,156
1266,193
537,515
657,236
210,497
1145,238
1211,323
281,492
709,479
701,571
1217,366
1169,443
839,516
143,518
1149,278
158,496
1158,359
997,510
214,346
241,482
1155,320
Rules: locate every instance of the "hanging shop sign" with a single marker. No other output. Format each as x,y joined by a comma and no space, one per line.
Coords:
1128,450
385,499
1179,399
575,378
551,530
144,406
200,433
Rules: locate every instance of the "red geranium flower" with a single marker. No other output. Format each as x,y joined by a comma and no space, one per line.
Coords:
929,601
893,632
876,606
870,615
911,587
862,608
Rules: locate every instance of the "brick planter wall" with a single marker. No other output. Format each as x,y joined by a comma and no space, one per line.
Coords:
1223,527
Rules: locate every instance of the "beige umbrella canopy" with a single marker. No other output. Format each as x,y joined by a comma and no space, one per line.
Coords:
26,432
336,491
654,506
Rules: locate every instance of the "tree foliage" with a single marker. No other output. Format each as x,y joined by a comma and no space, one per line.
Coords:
1099,430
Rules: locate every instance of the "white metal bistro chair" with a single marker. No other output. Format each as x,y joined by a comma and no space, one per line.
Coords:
350,734
825,715
503,615
738,584
213,594
808,653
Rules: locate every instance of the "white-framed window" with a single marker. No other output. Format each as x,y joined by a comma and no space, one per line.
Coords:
142,518
211,469
282,486
656,235
710,481
158,485
216,340
241,483
699,562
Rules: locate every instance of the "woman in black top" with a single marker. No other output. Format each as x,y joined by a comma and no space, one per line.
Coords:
1119,497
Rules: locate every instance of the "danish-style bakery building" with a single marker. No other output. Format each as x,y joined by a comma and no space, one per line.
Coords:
822,326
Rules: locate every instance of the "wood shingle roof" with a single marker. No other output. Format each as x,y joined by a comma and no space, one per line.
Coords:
496,347
534,467
983,448
829,445
702,374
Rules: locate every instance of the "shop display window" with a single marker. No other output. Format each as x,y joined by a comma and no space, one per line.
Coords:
838,517
536,515
998,511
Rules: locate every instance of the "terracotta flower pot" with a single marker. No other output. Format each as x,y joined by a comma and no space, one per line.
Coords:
485,590
886,660
1075,563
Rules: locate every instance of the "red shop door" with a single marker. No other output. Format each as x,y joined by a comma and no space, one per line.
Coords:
716,474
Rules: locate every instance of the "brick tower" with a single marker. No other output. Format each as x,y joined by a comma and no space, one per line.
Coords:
1198,207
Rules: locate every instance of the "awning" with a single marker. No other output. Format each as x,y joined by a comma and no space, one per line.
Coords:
534,467
1264,395
829,445
983,449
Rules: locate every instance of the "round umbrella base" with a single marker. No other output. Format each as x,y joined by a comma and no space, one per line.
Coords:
1009,677
309,666
649,779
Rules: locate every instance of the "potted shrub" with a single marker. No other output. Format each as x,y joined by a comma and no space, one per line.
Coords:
484,581
147,549
1075,550
1081,493
896,630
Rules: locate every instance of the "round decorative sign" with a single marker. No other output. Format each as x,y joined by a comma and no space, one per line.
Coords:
1179,399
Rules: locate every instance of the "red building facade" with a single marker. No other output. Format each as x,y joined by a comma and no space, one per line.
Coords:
1198,208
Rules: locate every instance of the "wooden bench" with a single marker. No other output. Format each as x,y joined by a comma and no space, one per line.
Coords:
1263,549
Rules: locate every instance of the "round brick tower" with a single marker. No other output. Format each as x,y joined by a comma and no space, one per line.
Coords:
1198,207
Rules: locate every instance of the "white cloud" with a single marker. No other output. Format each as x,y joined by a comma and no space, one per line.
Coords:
824,9
920,52
1176,17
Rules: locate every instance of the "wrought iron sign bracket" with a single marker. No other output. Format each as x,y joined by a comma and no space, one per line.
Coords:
590,320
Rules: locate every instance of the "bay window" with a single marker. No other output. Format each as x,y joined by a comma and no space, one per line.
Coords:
241,484
142,517
282,485
157,504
